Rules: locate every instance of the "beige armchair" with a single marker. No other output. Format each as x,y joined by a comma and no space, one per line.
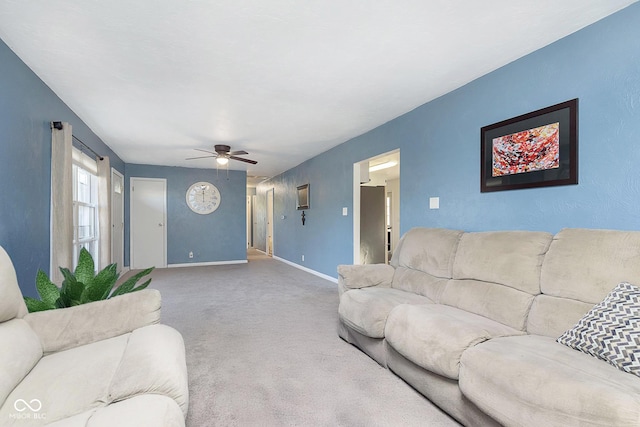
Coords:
105,363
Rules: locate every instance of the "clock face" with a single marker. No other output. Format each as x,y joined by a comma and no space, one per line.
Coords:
203,198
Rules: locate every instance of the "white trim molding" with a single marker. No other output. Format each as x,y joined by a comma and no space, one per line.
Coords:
308,270
202,264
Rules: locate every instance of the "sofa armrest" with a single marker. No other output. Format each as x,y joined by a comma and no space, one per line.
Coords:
364,276
66,328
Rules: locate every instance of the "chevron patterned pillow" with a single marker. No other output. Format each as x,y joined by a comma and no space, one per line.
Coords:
611,330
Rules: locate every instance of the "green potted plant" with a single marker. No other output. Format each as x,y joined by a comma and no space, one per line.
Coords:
82,286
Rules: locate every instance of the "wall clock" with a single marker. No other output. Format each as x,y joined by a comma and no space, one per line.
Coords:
203,198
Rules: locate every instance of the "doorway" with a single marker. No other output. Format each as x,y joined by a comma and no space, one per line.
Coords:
376,208
117,218
148,222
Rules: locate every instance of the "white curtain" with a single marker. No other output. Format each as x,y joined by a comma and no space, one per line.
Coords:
104,211
61,201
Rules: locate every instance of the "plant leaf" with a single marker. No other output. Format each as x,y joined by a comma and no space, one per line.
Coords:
128,285
48,291
101,285
71,292
34,305
85,270
141,287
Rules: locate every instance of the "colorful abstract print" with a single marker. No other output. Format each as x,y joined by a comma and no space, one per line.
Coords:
527,151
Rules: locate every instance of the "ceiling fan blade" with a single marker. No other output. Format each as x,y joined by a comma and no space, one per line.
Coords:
253,162
206,151
237,153
201,157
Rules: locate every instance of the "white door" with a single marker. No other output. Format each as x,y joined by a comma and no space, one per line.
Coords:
117,218
148,223
270,222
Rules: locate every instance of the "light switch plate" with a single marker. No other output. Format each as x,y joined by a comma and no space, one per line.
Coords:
434,202
345,211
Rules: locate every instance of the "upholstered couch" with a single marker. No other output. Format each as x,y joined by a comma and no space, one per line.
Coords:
107,363
470,320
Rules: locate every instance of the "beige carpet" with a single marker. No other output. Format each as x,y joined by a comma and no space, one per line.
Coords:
262,350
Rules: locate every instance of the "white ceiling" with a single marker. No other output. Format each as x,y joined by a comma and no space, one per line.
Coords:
284,80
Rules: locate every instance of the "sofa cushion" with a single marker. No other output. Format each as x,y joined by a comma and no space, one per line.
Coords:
150,360
153,362
418,282
533,380
364,276
430,250
552,316
71,381
496,274
434,336
610,331
500,303
98,320
366,310
598,258
19,352
11,303
509,258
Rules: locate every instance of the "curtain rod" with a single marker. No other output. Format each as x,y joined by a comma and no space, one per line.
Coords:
87,147
58,125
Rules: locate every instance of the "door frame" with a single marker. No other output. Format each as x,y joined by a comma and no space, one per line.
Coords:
269,219
132,181
119,261
357,169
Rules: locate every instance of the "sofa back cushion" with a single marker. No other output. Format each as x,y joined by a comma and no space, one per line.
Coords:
424,260
20,347
11,302
496,274
581,267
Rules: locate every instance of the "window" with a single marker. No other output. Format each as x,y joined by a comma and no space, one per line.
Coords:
85,206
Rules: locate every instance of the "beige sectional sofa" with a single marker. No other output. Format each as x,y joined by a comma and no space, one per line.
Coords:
107,363
470,320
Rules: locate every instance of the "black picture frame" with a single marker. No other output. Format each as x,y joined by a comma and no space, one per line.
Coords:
537,149
303,197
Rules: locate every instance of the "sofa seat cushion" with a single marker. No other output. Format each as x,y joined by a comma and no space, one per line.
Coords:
533,380
435,336
148,410
366,310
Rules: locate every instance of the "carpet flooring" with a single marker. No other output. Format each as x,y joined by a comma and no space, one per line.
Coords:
262,350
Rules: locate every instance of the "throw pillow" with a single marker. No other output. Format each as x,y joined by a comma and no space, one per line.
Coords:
611,330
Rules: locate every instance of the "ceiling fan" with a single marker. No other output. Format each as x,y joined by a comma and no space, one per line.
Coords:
222,154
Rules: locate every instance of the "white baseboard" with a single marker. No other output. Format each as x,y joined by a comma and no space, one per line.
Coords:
202,264
308,270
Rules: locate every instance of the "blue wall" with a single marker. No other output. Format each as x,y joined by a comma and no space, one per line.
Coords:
439,146
219,236
27,106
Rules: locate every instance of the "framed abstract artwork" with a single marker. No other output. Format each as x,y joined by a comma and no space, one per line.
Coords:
537,149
